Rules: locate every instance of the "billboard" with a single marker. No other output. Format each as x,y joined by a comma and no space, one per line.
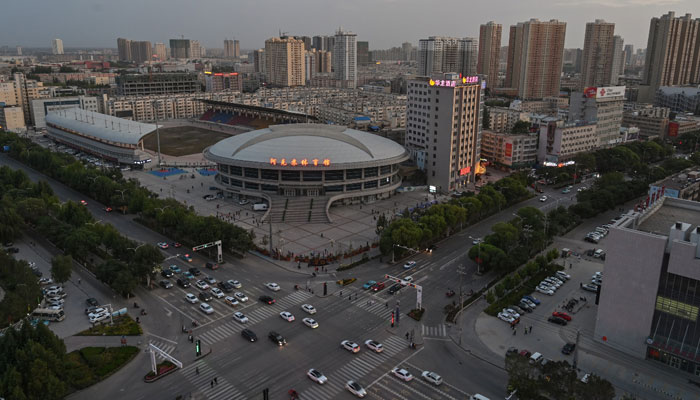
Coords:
509,150
590,92
673,129
610,91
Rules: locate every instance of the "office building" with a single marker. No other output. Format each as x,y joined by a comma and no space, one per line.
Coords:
489,52
41,107
682,125
535,51
513,151
437,55
345,57
19,50
57,46
651,121
180,48
12,119
682,99
443,127
602,106
160,83
363,53
648,305
560,141
672,54
285,61
160,51
232,48
598,48
618,60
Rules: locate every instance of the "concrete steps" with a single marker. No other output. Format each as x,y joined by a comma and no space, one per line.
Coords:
298,210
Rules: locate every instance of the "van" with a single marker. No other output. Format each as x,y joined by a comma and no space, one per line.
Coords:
598,253
536,358
478,397
260,207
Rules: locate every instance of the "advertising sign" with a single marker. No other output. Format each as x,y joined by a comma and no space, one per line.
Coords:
509,149
590,92
465,171
610,91
673,129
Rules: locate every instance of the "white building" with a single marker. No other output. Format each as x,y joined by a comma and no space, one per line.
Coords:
603,106
57,46
41,107
345,57
444,120
561,141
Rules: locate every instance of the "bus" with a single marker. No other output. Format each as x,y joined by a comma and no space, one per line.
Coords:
49,315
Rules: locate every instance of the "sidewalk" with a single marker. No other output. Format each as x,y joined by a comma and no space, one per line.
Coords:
78,342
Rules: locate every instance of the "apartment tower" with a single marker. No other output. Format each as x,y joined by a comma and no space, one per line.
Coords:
596,68
285,61
345,57
535,51
489,52
437,55
57,46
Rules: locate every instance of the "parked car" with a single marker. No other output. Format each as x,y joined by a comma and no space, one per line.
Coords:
557,320
532,299
590,287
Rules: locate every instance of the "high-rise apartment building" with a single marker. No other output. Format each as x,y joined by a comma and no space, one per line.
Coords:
323,61
160,51
362,53
326,43
223,81
489,51
310,59
196,50
259,61
124,49
629,53
141,51
443,128
180,48
672,53
597,64
439,54
57,46
535,50
228,48
345,57
618,60
406,51
285,61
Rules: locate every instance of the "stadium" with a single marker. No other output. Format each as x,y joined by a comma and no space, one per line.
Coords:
302,169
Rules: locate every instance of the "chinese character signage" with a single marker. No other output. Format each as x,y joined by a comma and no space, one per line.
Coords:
451,83
300,162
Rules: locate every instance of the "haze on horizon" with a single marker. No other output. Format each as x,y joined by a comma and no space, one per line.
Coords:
384,23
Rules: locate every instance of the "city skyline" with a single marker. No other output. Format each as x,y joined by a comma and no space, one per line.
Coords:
252,25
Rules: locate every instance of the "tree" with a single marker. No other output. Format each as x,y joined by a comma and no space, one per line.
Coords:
521,127
61,268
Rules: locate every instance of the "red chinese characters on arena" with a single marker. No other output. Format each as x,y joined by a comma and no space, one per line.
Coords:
304,162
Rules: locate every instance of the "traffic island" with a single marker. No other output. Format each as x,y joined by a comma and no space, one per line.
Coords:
416,313
165,368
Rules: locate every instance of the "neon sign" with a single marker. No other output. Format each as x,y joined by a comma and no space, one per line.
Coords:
450,83
303,162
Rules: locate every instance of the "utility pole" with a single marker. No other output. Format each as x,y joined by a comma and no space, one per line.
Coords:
155,112
461,272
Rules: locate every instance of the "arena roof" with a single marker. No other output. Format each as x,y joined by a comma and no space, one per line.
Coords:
100,126
338,144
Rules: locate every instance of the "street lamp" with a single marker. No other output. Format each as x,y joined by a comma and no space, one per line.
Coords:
155,113
478,257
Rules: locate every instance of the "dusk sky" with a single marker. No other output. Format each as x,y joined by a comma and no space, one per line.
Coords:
384,23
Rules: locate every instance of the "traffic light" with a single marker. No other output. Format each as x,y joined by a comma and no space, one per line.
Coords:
198,347
392,319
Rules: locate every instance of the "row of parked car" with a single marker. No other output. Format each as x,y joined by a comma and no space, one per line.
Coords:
550,284
512,313
597,234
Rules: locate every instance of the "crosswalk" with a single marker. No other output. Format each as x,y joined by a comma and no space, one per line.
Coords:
257,315
355,370
382,309
167,347
434,331
202,376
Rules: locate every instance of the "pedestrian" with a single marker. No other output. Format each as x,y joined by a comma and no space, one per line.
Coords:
212,384
341,293
580,284
216,381
387,304
196,370
406,335
530,328
79,281
515,331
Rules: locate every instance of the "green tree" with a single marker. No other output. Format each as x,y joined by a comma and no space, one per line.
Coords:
61,268
490,298
521,127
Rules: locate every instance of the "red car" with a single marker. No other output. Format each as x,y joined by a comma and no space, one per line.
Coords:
525,353
378,286
561,315
108,209
177,245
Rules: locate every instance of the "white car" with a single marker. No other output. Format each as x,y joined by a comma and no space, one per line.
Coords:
511,312
356,389
201,285
543,199
99,317
557,280
241,297
308,308
586,378
231,301
350,346
310,322
405,281
374,346
216,292
238,316
163,245
402,374
191,298
563,275
545,290
96,312
206,308
234,283
432,377
58,288
317,376
273,286
548,285
477,241
409,265
287,316
551,282
210,280
505,317
45,281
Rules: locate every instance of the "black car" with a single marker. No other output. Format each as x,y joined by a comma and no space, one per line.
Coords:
277,338
394,289
205,296
511,350
92,302
557,320
12,250
568,348
225,286
165,284
249,335
166,273
183,283
266,299
195,271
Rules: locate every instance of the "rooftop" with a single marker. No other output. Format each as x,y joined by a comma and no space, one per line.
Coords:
660,219
100,126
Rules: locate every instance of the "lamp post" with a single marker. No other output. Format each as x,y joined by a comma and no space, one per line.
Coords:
155,113
478,257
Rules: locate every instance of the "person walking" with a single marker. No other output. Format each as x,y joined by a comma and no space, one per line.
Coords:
211,384
216,381
196,370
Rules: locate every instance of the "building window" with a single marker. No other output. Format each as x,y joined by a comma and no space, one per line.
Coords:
270,174
238,171
290,175
353,174
385,169
335,175
312,176
334,188
370,184
353,186
251,172
369,172
253,186
236,182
